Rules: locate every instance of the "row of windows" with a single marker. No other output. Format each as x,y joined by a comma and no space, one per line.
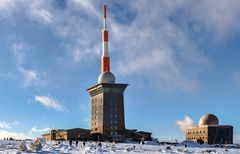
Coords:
113,124
113,116
94,123
114,133
196,132
113,109
114,127
115,121
98,116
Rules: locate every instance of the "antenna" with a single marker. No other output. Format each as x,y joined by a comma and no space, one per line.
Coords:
105,14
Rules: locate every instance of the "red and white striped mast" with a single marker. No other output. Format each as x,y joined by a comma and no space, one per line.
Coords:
105,55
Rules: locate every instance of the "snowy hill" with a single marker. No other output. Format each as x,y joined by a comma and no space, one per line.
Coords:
93,147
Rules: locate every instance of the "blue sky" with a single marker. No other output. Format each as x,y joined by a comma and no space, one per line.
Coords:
181,60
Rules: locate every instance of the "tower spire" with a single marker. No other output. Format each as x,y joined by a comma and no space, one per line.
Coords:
105,15
105,55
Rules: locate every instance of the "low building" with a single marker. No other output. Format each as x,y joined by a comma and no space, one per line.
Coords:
209,131
67,134
135,135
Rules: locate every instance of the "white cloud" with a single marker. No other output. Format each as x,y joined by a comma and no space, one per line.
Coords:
4,125
6,7
43,15
5,3
49,102
88,6
15,135
30,76
187,122
8,125
19,50
40,12
6,131
34,131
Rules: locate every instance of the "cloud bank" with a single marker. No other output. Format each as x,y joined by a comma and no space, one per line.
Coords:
160,42
15,135
34,131
4,125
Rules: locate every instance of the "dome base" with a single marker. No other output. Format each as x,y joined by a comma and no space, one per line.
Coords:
106,77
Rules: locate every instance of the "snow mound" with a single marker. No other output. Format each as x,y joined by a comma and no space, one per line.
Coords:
192,144
36,145
22,147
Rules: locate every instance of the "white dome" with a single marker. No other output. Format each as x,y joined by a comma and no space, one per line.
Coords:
208,119
106,77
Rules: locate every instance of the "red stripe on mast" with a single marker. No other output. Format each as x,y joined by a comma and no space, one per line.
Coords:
105,36
105,11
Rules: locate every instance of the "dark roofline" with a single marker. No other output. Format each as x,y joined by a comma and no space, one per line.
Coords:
78,128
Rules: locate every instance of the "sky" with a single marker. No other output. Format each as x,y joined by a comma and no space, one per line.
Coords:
180,58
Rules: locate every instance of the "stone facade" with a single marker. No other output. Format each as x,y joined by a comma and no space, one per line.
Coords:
73,134
107,111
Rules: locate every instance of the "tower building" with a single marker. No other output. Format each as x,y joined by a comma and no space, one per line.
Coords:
107,98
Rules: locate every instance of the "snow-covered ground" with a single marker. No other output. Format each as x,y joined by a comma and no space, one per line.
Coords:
63,147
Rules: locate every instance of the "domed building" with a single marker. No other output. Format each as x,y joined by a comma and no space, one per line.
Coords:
209,131
208,119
